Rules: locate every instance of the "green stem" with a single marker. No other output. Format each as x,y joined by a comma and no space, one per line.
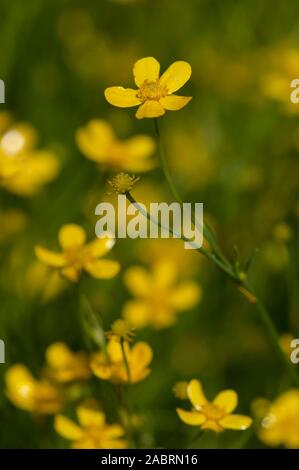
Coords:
208,234
220,260
126,362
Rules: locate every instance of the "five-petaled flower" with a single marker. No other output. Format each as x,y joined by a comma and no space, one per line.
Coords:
77,256
216,415
110,365
155,93
158,295
40,397
92,432
98,143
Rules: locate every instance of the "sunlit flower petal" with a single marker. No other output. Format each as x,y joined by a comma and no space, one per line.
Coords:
102,268
95,139
67,428
237,422
89,417
196,394
176,76
174,102
150,109
50,258
138,280
100,246
192,418
185,296
122,97
137,312
71,236
227,400
147,68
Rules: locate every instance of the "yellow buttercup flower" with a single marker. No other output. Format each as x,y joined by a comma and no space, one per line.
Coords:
92,432
280,426
98,142
64,365
36,396
155,93
158,295
23,168
77,256
216,415
111,364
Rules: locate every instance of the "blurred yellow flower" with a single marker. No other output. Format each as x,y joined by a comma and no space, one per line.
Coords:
158,295
216,415
110,365
180,390
154,94
98,142
77,256
280,426
29,394
23,168
92,432
64,365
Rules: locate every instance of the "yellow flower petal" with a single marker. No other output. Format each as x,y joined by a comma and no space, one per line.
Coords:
67,428
137,313
176,76
95,139
89,417
72,273
20,387
196,394
99,366
115,351
140,355
236,422
165,273
138,280
174,102
150,109
100,246
191,417
140,146
50,258
147,68
58,355
212,425
226,400
122,97
71,236
185,296
102,268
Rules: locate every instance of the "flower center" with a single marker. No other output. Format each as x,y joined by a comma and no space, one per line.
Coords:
151,90
212,412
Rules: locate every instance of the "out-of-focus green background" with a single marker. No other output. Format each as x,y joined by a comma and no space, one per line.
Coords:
234,147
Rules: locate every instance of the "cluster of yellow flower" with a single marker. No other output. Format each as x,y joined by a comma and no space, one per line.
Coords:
62,380
158,292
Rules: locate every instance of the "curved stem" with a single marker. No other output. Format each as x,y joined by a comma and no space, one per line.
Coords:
208,234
